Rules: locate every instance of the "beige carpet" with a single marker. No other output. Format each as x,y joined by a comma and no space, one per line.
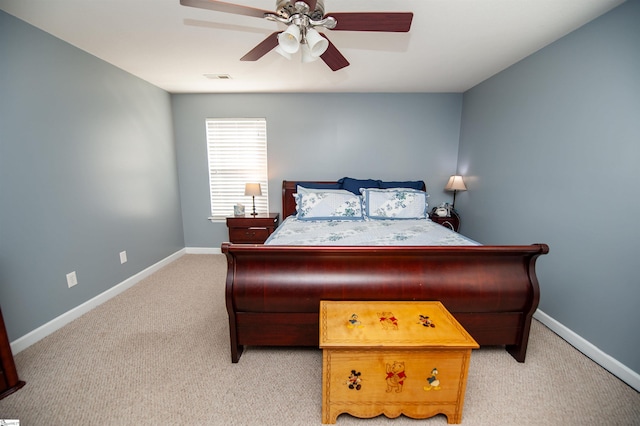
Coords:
158,354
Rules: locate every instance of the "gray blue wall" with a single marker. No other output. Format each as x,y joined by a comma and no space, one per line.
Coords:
87,169
551,151
321,137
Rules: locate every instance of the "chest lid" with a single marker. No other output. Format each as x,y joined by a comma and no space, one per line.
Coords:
390,324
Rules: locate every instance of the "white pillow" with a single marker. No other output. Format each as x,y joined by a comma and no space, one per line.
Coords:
394,203
328,206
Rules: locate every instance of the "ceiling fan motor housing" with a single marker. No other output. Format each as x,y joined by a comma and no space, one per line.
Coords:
286,8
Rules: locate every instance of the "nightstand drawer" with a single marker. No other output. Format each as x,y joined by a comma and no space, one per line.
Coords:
248,235
252,229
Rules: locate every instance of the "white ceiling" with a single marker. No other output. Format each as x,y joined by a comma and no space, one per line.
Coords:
452,46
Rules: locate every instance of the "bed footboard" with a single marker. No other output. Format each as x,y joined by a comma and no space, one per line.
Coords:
273,293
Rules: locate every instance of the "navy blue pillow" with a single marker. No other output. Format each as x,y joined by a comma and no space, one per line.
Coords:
354,185
314,185
413,184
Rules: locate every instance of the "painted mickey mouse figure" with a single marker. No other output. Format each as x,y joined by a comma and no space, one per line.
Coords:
354,381
426,321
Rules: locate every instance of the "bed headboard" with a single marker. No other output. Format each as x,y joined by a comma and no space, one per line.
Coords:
289,188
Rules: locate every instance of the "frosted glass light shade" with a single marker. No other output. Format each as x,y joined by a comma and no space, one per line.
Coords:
289,40
280,51
317,44
306,54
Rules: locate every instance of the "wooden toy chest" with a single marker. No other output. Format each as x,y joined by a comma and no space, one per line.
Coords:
392,358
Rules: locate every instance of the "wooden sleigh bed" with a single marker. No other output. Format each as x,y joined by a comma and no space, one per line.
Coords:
273,293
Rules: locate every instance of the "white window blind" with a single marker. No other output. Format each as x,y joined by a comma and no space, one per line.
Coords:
237,149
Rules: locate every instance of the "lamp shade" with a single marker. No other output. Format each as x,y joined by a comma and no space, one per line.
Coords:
289,40
455,184
317,44
280,51
306,54
252,189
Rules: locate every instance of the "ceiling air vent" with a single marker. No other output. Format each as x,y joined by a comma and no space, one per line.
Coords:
218,76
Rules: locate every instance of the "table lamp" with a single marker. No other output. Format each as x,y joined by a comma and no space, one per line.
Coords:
253,190
455,184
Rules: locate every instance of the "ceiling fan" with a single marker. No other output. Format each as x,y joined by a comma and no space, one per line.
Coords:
301,18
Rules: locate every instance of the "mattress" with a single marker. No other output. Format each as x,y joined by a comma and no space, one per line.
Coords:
407,232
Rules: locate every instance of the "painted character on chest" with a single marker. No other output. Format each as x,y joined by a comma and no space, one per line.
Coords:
395,376
388,320
354,381
425,321
433,381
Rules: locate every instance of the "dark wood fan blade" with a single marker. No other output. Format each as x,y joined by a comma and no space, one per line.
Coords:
332,57
263,48
373,21
220,6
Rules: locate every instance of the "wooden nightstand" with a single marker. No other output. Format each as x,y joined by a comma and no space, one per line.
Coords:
252,229
452,222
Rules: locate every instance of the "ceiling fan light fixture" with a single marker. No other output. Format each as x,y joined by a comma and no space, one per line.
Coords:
289,40
317,44
306,56
301,18
281,51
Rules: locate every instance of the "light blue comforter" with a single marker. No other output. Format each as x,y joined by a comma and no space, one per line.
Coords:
409,232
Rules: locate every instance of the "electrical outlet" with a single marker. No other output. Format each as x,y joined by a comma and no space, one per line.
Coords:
123,257
72,279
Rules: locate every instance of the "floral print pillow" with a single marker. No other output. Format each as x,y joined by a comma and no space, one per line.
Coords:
397,203
328,206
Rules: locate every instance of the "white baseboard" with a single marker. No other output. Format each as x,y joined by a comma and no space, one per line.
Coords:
607,362
43,331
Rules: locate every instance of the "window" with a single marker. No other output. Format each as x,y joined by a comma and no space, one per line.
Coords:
237,150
